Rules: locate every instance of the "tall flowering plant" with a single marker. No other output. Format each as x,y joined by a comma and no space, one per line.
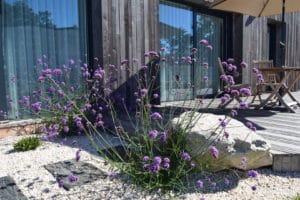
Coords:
155,154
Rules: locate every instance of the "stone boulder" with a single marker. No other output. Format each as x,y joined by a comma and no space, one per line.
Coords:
203,130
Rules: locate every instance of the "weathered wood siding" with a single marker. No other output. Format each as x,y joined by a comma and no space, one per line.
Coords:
256,42
129,29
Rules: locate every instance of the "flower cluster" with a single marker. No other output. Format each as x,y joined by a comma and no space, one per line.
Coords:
156,165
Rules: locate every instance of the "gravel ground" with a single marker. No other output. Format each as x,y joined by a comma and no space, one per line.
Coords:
27,169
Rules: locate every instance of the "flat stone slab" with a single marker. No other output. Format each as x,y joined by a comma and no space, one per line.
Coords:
85,172
286,162
9,190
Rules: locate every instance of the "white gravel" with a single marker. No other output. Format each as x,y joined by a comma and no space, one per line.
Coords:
35,182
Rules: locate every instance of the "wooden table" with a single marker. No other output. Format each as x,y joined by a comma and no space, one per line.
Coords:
286,87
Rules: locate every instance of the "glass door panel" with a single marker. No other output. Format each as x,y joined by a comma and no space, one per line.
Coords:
208,28
176,37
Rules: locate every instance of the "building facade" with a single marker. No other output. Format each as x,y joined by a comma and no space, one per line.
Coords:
113,30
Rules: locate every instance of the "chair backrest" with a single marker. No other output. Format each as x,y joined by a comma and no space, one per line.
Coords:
260,64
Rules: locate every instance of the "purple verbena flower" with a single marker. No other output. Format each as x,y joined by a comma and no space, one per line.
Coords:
166,165
254,187
243,105
154,168
57,72
209,47
244,64
146,158
157,160
163,137
185,156
253,173
214,151
233,113
166,160
199,183
36,107
155,115
153,134
66,129
245,92
203,41
60,183
72,178
144,92
255,70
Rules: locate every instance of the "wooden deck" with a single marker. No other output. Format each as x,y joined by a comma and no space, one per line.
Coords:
279,127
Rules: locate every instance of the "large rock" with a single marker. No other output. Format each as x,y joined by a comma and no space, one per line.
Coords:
203,130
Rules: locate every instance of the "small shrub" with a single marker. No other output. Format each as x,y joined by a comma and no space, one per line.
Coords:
296,198
27,144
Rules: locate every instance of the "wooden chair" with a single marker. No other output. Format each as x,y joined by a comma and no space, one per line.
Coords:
262,87
225,86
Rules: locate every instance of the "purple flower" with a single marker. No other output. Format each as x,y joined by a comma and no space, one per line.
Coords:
41,79
205,65
66,129
185,156
253,173
205,78
60,183
249,125
202,198
214,151
71,62
260,77
233,113
230,79
194,50
223,77
47,72
77,156
124,62
226,181
245,92
244,64
166,165
144,92
193,165
166,160
243,105
230,60
36,107
199,184
244,162
155,115
155,168
163,49
163,137
155,96
72,178
153,134
157,160
223,123
255,70
203,41
253,187
57,72
52,89
146,167
146,158
235,92
209,47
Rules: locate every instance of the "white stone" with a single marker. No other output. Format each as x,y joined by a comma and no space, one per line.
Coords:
204,130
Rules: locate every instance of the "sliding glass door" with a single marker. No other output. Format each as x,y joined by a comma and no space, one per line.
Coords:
185,75
53,30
